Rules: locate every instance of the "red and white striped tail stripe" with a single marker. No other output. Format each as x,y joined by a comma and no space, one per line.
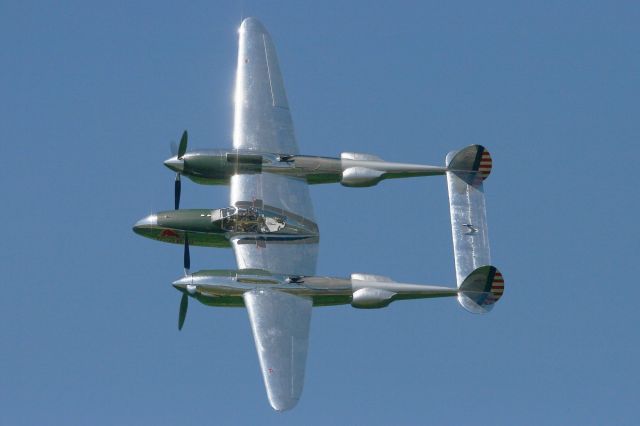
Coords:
497,286
485,165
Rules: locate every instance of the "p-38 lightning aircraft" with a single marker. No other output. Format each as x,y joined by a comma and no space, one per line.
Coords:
270,225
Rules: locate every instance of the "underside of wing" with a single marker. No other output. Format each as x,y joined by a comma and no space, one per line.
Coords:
293,257
280,325
262,120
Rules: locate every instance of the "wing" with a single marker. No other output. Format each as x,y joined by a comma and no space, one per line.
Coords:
263,123
280,325
262,118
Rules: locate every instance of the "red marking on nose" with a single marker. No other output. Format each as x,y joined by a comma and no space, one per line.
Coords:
168,233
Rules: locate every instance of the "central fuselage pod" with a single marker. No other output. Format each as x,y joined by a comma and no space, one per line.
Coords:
215,228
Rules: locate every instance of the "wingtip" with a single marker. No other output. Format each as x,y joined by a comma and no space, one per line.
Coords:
252,24
283,404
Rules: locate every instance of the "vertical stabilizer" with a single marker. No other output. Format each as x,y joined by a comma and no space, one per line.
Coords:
471,164
481,289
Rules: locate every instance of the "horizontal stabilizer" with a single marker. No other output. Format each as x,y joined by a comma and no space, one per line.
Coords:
468,221
481,289
471,164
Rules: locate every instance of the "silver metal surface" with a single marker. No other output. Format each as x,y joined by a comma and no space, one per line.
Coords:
174,164
468,225
151,220
262,118
280,325
287,256
263,123
359,156
227,287
216,166
360,177
368,298
279,192
290,194
375,291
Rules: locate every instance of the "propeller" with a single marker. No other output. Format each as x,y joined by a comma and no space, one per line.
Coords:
182,148
177,187
184,305
179,153
187,257
184,302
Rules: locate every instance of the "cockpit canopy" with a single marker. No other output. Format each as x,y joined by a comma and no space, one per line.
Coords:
248,219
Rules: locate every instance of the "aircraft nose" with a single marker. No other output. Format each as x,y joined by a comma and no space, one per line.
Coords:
185,283
182,282
149,221
175,164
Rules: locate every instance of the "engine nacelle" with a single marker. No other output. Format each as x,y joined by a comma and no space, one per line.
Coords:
361,177
221,164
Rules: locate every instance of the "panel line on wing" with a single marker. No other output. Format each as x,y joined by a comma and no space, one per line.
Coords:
266,59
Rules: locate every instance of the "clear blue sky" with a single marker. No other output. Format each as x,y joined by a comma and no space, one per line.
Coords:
91,94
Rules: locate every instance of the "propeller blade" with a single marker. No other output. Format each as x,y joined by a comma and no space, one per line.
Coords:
176,192
184,304
183,145
174,148
187,257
